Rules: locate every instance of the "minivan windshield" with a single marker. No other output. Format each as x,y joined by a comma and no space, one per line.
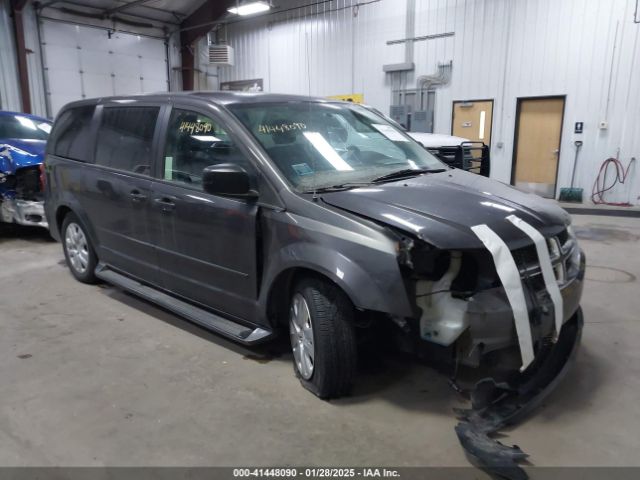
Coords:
322,145
23,128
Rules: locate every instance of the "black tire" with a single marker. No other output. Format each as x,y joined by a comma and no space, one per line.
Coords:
86,275
334,343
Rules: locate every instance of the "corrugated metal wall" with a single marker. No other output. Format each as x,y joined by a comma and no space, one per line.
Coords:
9,86
501,50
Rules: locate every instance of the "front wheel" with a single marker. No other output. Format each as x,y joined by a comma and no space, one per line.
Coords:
322,338
78,251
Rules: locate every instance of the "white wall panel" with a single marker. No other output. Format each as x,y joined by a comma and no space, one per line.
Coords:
501,50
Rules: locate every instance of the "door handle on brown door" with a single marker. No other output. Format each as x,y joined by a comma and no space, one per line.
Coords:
166,204
136,196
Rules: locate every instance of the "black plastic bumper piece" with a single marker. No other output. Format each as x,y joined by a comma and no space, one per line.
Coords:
497,405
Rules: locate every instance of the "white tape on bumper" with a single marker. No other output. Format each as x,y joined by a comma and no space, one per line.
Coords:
549,277
510,278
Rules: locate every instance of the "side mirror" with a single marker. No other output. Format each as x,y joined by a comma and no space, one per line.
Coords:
227,179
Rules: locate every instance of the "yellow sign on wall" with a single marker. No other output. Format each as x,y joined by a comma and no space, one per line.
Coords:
351,97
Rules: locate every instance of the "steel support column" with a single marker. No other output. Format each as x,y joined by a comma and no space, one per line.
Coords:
192,28
17,7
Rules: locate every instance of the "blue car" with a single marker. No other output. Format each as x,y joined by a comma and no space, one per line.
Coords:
23,139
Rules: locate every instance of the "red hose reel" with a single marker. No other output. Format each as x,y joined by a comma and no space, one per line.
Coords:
600,187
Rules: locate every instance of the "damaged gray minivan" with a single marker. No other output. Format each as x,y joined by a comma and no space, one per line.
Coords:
253,213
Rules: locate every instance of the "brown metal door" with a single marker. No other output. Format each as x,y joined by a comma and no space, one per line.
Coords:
472,120
538,132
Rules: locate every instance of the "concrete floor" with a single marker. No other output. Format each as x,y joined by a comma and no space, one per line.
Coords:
92,376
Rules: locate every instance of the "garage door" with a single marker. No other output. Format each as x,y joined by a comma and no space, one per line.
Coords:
85,62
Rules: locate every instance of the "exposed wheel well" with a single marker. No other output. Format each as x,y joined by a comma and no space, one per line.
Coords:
60,214
279,293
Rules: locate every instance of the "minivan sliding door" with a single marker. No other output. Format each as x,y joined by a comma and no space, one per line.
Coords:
119,189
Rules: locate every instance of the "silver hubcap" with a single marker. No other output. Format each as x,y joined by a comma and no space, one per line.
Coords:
77,247
301,333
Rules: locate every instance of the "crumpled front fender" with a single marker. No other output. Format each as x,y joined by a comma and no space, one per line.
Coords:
376,287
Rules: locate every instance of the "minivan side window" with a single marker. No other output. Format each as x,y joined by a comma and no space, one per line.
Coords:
125,138
70,137
194,142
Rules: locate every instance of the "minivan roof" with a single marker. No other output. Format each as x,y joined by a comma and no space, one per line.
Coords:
221,98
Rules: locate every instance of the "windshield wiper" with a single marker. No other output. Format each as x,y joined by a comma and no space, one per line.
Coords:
405,173
336,188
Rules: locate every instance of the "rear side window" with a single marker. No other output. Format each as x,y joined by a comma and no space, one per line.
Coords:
125,138
70,137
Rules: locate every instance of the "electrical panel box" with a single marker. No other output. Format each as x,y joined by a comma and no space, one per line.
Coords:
422,121
400,113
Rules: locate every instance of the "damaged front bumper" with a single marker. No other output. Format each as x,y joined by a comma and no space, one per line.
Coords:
23,212
482,325
491,327
498,405
519,315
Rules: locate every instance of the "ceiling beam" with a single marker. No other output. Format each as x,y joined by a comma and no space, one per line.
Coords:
125,6
175,15
207,13
18,4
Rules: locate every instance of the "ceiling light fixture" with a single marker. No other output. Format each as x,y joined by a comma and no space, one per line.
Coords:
250,8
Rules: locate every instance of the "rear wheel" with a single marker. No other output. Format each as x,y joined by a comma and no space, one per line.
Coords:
78,251
322,338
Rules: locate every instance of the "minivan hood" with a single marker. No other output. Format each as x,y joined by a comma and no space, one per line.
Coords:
441,208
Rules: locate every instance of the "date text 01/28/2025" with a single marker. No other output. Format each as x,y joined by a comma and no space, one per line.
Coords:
315,472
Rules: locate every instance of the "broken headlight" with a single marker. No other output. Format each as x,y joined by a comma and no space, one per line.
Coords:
423,259
404,247
574,258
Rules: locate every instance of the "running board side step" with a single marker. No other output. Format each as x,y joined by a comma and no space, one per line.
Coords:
210,321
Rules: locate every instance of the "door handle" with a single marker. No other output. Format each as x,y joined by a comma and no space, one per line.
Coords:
166,204
136,196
